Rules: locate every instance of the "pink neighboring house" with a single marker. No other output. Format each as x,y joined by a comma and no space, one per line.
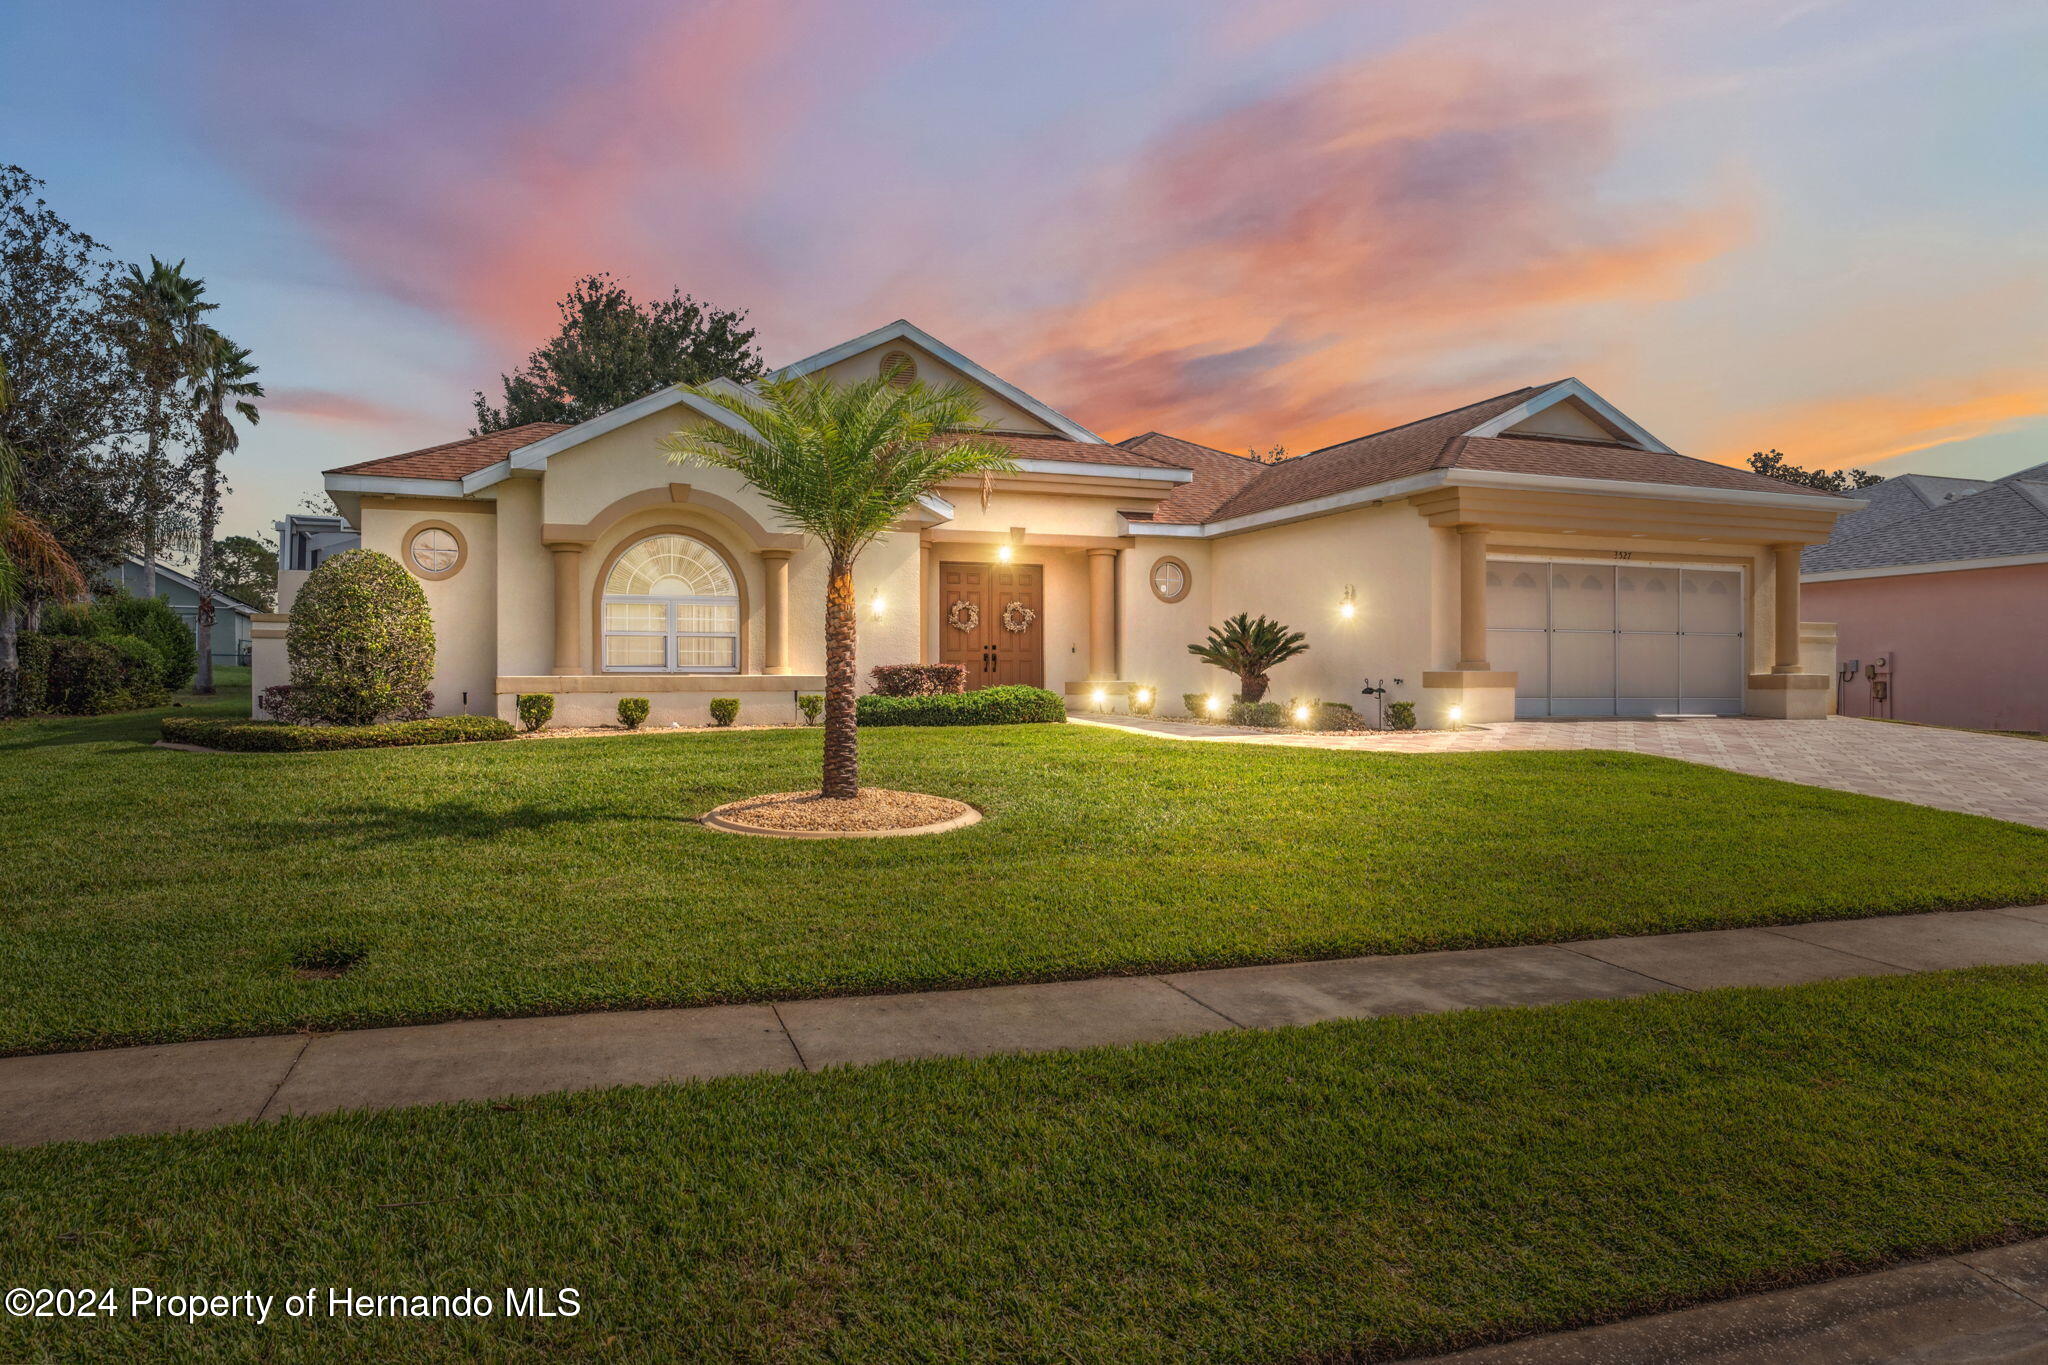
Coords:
1942,585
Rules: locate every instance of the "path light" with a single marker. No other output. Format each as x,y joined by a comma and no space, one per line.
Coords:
1348,607
1215,705
1301,715
1457,716
1143,696
1101,698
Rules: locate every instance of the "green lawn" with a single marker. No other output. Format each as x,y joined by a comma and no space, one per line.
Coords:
147,894
1382,1187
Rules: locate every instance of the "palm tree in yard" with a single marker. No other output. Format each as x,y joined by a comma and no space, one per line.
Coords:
223,383
844,462
30,557
159,313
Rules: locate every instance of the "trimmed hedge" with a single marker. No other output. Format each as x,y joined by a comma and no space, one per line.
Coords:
990,706
271,737
919,680
725,710
633,712
1400,715
361,641
812,704
536,709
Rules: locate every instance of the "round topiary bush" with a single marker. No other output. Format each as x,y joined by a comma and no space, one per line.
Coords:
361,641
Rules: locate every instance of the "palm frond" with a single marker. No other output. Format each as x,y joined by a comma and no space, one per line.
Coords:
37,558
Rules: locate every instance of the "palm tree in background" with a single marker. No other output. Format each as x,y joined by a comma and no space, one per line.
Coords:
30,557
223,383
158,312
844,462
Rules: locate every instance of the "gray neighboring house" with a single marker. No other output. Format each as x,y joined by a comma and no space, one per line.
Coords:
231,619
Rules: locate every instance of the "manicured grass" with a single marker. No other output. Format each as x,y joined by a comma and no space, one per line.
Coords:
147,894
1385,1187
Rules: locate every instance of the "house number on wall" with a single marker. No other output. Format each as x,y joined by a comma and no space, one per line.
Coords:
1624,554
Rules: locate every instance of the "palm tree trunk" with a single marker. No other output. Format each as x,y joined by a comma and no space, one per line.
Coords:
209,512
149,496
842,735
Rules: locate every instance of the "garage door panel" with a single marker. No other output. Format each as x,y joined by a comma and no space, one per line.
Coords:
1710,600
1645,599
1581,673
1710,674
1582,597
1646,674
1517,596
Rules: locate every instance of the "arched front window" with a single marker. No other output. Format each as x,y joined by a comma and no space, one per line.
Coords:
671,605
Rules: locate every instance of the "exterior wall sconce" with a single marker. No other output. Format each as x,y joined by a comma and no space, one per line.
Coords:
877,605
1348,606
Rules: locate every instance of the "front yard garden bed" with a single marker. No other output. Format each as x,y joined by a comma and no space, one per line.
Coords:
506,879
1365,1190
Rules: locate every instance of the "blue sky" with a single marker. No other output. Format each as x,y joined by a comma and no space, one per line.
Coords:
1814,226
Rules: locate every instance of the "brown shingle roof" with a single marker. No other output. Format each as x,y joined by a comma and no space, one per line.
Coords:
1598,460
1412,448
1218,475
455,459
1438,443
1026,447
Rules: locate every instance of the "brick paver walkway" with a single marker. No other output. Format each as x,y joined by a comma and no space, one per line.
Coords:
1993,775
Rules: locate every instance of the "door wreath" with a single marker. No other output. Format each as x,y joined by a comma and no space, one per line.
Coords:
1017,618
963,616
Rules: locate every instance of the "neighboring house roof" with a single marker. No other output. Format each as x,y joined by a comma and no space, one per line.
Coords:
2002,519
1218,476
185,581
454,459
1902,496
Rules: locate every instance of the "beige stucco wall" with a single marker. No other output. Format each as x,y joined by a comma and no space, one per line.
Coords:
996,410
526,582
463,605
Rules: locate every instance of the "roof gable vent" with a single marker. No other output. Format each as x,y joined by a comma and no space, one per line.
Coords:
900,369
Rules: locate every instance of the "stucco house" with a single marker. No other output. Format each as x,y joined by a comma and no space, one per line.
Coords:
1536,553
232,620
1939,590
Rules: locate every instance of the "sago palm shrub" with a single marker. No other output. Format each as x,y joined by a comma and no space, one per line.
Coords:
1250,649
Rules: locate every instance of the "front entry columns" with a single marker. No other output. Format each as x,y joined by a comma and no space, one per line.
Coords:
776,563
1101,615
1786,632
568,608
1472,598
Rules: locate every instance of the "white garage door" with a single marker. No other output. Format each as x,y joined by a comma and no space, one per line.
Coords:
1616,639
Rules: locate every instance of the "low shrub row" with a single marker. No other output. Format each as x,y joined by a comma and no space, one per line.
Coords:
990,706
274,737
1273,715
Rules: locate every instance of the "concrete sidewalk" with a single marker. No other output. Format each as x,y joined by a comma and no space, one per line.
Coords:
1982,1307
92,1095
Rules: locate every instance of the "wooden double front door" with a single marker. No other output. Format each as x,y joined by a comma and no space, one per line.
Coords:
990,651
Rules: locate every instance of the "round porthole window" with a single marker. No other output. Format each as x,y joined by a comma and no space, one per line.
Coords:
435,551
1170,579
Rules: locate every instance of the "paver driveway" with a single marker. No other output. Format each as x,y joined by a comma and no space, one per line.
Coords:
1993,775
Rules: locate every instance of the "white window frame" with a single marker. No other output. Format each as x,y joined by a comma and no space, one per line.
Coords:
668,634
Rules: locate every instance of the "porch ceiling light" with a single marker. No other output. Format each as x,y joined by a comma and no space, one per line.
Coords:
1003,553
